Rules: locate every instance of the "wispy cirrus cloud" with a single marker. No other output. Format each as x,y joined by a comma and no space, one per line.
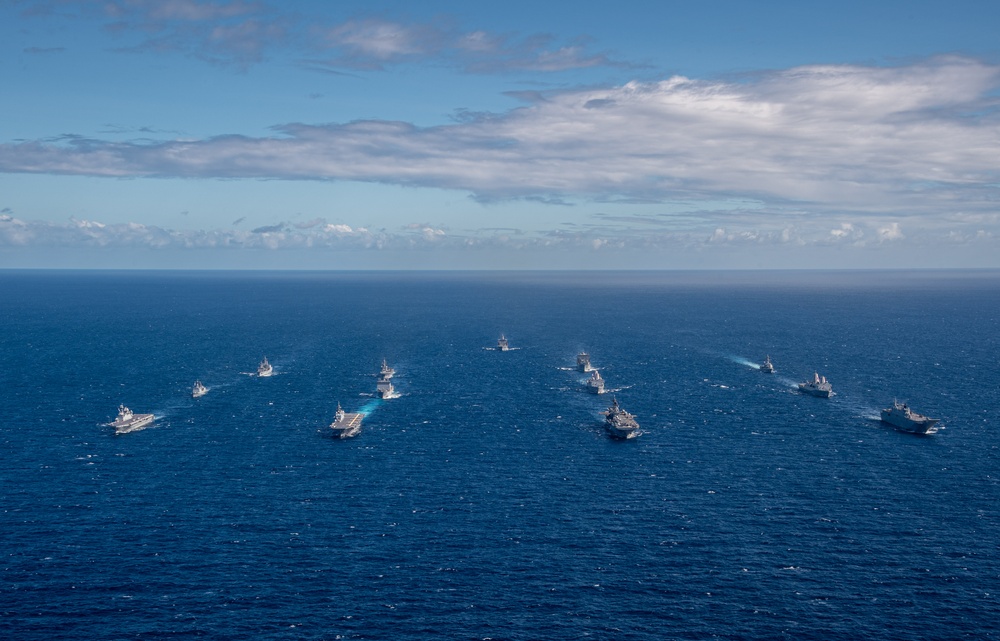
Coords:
241,33
908,140
375,43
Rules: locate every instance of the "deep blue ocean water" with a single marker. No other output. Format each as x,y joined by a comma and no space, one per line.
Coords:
487,501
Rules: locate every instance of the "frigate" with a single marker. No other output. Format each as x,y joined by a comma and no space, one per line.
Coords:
198,389
766,366
502,343
386,372
264,369
583,362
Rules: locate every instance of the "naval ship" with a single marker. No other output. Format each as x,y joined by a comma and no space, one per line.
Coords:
766,366
198,390
128,422
595,384
346,424
583,362
818,386
502,343
264,369
904,419
386,372
619,423
384,389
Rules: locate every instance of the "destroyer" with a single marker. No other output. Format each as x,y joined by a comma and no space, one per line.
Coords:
502,343
128,422
595,384
264,369
904,419
583,362
346,424
386,372
619,423
766,366
198,390
818,386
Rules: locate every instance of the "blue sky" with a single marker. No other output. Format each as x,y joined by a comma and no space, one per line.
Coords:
717,134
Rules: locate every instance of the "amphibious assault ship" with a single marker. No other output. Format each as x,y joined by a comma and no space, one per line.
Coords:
619,423
904,419
128,422
346,424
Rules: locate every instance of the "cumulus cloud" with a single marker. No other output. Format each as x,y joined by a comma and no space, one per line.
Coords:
908,140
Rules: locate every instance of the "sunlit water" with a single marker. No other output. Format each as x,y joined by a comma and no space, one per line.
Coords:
486,501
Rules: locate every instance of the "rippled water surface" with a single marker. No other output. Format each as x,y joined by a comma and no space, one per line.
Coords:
487,501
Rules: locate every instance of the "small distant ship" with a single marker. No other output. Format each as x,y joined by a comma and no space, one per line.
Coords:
346,424
198,390
818,386
904,419
128,422
264,369
583,362
595,384
502,343
386,372
766,366
619,423
384,389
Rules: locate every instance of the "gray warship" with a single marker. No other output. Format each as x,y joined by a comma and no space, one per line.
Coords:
346,424
904,419
595,384
619,423
818,386
766,366
386,372
583,362
384,389
129,422
264,369
198,390
502,343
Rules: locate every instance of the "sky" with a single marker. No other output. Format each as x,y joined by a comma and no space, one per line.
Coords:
721,134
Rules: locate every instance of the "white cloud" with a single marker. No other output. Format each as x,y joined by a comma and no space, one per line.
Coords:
906,141
890,232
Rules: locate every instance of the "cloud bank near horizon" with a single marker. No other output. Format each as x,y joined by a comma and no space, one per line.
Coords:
910,140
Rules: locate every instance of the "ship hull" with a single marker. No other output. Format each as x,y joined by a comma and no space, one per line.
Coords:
594,389
621,434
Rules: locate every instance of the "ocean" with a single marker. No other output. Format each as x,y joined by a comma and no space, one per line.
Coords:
487,501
